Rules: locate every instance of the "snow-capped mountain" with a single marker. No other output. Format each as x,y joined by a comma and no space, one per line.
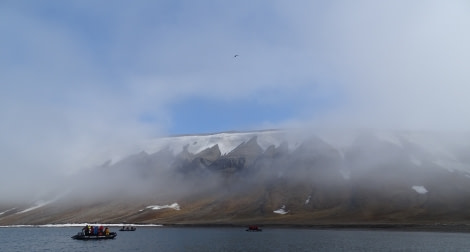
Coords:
272,176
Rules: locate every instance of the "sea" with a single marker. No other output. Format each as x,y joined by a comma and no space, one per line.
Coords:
231,239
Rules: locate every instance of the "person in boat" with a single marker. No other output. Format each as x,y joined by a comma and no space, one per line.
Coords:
100,230
85,230
106,231
253,228
95,230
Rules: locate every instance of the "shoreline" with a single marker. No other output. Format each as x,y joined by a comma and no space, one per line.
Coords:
457,228
453,228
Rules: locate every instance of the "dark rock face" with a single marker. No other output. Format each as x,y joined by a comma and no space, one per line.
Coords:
371,180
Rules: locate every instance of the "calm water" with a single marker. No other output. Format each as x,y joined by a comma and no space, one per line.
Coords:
232,239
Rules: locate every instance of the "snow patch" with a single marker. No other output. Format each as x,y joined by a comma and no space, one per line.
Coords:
420,189
308,199
38,204
7,211
281,210
156,207
41,203
226,142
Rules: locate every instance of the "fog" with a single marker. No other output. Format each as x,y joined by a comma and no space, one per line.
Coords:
83,82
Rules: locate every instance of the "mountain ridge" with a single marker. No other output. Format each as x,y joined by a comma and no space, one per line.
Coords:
271,177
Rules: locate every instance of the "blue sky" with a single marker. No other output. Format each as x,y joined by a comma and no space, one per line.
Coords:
76,76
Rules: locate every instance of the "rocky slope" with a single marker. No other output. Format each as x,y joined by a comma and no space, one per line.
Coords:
270,177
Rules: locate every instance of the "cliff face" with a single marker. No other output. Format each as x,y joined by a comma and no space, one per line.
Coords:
270,177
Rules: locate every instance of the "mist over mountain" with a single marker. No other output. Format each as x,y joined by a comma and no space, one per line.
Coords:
268,177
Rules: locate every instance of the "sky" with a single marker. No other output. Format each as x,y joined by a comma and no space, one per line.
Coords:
77,77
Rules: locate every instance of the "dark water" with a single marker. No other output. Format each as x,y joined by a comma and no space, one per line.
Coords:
232,239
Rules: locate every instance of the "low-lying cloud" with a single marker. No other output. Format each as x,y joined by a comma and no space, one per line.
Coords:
78,78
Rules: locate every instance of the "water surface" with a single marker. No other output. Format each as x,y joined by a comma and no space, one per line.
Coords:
233,239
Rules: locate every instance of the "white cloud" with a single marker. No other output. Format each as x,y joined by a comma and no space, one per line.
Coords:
75,83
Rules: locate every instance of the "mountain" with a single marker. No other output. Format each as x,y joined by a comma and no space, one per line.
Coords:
269,177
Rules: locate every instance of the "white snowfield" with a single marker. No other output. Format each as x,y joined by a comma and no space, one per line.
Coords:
38,204
197,143
11,209
308,199
420,189
433,145
157,207
281,210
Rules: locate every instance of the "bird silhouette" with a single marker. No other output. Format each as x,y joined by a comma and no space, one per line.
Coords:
236,55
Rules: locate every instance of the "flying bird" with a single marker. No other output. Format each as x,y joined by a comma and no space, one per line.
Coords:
236,55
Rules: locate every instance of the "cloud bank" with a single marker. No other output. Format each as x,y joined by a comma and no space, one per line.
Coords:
81,79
